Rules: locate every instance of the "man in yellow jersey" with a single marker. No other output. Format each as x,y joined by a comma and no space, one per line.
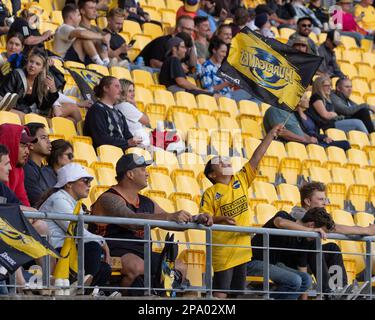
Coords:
366,13
227,202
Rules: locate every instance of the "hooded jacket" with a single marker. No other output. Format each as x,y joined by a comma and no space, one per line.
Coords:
10,136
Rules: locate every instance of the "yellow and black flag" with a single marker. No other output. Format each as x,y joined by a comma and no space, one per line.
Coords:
86,80
268,69
19,241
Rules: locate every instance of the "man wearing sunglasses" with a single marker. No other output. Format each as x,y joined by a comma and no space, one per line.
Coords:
304,27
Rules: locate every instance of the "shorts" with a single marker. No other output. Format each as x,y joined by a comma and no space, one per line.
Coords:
72,55
230,279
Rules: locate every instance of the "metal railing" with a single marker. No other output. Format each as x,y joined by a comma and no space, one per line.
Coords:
207,284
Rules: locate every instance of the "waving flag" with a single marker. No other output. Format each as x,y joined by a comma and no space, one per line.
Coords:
270,70
86,80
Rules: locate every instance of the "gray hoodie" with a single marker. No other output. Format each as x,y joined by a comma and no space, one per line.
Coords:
298,212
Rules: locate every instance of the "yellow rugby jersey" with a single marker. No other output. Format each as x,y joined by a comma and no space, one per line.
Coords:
230,200
368,21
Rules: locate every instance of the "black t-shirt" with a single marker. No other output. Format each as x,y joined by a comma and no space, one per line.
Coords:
20,25
170,70
319,121
7,195
4,13
289,258
156,49
116,42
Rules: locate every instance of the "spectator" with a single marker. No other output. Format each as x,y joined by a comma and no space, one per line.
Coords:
202,34
209,78
73,184
300,43
366,12
304,26
227,202
87,9
37,179
75,43
313,196
103,123
134,11
124,200
34,85
189,8
154,53
17,139
25,24
13,57
172,74
321,109
207,8
227,8
118,47
320,12
284,13
4,16
329,64
241,19
309,127
224,33
344,106
135,119
61,154
264,26
302,11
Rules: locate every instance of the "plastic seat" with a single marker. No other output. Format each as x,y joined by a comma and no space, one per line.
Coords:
143,78
267,191
228,105
263,213
152,29
9,117
166,159
120,73
207,122
159,181
188,185
358,139
186,99
205,101
191,161
286,32
168,17
131,27
108,153
349,69
366,71
317,152
157,4
336,154
198,140
348,42
74,64
143,95
164,97
336,134
289,192
220,143
363,219
32,117
369,57
140,152
98,68
358,157
229,124
352,56
360,85
249,109
238,163
298,150
84,151
183,122
187,205
166,204
363,176
252,128
106,176
63,126
141,41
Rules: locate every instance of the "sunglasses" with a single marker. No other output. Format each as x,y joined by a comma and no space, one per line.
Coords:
69,155
86,181
306,25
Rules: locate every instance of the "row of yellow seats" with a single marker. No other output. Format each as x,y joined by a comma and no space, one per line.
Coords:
357,139
356,56
357,70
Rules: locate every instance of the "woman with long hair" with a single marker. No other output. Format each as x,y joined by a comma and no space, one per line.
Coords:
73,185
13,54
321,109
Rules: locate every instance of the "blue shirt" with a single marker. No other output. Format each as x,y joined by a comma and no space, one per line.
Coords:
209,78
7,195
211,19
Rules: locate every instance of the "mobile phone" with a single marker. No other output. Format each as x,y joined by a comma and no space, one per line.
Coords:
131,43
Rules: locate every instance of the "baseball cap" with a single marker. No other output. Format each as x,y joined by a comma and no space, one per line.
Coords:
300,40
26,138
191,5
69,173
130,161
173,42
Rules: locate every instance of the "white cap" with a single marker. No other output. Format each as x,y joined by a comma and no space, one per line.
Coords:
69,173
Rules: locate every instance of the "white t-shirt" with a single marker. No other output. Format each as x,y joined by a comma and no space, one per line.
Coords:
62,42
132,116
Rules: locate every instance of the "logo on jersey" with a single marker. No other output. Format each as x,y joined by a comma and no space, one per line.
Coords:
218,196
235,208
236,184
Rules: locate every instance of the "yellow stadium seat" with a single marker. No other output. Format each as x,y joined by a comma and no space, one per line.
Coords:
143,95
348,42
63,126
173,4
205,101
263,213
238,163
187,185
32,117
108,153
98,68
286,32
140,152
101,22
289,192
338,155
360,85
84,151
207,122
166,159
322,37
120,73
183,122
363,219
349,70
358,139
336,134
166,204
366,71
298,150
106,176
159,181
168,17
252,128
141,41
191,161
314,37
358,157
9,117
229,124
187,205
370,98
267,191
352,56
317,152
186,99
164,97
250,144
264,107
56,17
197,141
228,105
204,182
158,4
143,78
74,64
220,143
152,29
369,57
132,27
363,176
249,109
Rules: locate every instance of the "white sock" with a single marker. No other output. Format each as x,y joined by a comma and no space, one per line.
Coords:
106,61
97,60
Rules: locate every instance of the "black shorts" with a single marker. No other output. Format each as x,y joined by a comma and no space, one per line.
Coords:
230,279
72,55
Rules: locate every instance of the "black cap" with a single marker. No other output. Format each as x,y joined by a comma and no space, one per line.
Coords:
128,162
305,18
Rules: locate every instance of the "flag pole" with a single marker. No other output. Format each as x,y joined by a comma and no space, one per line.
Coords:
286,120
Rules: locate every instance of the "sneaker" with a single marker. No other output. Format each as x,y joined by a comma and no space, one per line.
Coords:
5,101
12,102
360,292
342,293
86,281
115,294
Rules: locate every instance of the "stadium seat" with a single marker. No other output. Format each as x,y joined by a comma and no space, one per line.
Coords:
108,153
204,182
349,70
359,140
359,157
185,184
98,68
166,159
9,117
252,128
86,152
183,122
369,57
33,117
173,4
152,30
187,205
132,27
363,176
120,73
191,161
166,204
298,150
360,85
106,176
336,134
337,155
289,192
228,105
317,152
220,143
263,213
348,42
164,97
363,219
159,181
141,40
249,109
205,101
364,70
143,95
63,126
141,152
267,191
143,78
207,122
74,64
168,17
229,124
197,140
238,163
158,4
156,112
351,56
286,32
186,99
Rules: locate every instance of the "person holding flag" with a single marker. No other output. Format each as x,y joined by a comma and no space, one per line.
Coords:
73,184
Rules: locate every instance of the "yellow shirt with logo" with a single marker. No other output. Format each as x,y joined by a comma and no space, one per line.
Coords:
230,200
368,21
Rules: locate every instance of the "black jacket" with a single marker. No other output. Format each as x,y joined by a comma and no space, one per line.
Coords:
15,82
